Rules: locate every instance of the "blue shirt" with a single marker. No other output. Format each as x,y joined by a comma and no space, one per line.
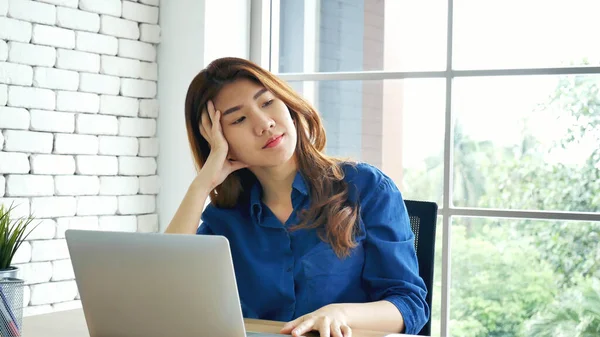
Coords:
283,275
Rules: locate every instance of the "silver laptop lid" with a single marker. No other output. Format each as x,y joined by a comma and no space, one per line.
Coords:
149,284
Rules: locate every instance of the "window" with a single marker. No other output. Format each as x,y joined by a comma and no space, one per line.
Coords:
489,108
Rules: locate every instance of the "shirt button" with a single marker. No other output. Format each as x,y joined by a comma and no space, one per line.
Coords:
289,269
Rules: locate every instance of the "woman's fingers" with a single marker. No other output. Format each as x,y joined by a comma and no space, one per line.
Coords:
203,132
216,125
324,327
346,331
304,327
205,121
211,111
336,331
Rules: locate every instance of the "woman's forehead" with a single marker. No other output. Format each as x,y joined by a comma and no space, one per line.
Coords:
237,92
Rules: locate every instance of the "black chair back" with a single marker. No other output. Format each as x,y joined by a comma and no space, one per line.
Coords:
423,219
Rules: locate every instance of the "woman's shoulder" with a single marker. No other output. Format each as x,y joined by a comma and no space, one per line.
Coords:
363,175
219,216
366,180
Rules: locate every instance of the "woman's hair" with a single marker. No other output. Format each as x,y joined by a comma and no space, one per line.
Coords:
330,212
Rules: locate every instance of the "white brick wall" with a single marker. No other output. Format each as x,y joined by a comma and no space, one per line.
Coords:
135,166
97,125
119,185
52,78
100,84
111,7
96,205
53,292
148,147
119,106
14,118
34,98
77,185
53,36
3,7
118,223
149,33
3,87
118,146
136,204
52,164
75,144
137,50
147,223
45,230
149,108
149,185
149,71
17,74
96,43
29,185
32,11
13,162
34,55
97,165
78,142
65,3
77,60
15,30
77,20
27,141
52,121
118,66
137,127
78,222
119,27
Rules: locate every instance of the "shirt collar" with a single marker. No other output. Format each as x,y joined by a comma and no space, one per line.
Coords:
299,185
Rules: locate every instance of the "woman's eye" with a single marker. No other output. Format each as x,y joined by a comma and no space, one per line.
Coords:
267,103
239,120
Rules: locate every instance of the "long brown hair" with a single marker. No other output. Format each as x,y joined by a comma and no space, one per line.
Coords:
331,211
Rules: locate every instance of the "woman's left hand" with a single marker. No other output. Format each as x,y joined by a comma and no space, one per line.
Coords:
330,321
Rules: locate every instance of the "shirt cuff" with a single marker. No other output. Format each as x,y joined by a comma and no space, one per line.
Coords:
407,314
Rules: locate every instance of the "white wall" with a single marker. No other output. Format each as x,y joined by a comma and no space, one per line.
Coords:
77,128
193,34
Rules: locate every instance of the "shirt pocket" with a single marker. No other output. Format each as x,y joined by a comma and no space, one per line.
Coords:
330,279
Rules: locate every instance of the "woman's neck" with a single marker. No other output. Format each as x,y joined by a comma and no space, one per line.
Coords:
277,181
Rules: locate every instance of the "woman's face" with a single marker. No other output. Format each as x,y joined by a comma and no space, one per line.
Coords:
257,125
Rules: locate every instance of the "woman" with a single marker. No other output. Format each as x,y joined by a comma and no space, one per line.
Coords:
321,243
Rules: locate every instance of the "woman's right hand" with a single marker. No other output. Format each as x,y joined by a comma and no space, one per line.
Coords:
217,166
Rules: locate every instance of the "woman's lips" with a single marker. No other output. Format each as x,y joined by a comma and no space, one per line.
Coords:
273,142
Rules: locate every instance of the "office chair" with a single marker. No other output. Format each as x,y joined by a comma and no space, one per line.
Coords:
423,218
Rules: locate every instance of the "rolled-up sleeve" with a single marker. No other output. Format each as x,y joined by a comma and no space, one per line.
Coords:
203,229
391,269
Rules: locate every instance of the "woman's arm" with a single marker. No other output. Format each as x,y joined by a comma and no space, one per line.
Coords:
336,320
187,217
380,315
391,270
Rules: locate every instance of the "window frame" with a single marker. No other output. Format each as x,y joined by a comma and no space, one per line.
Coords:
264,50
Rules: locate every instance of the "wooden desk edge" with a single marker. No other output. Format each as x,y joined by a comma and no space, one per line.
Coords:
55,324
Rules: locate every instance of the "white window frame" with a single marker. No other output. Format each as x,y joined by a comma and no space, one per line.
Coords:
264,50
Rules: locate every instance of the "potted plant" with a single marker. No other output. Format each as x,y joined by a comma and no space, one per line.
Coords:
13,231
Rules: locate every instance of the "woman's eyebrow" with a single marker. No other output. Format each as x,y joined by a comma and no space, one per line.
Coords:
237,107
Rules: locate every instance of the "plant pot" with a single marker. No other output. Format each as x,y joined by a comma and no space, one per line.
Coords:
10,272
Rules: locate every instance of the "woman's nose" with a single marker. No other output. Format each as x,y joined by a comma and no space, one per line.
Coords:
263,122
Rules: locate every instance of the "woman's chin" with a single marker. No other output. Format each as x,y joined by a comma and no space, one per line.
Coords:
272,160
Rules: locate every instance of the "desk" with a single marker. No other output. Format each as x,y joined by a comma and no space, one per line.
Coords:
71,323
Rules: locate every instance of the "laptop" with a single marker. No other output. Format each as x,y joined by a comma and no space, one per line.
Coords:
155,284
